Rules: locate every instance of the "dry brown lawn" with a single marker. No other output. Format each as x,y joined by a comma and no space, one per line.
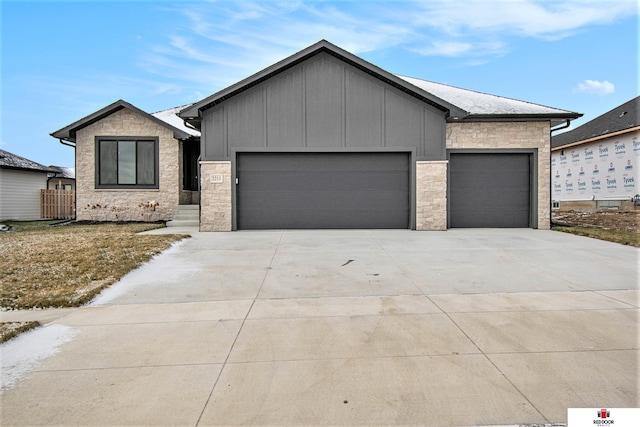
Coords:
46,266
614,226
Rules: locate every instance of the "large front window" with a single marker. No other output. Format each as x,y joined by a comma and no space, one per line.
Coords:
126,162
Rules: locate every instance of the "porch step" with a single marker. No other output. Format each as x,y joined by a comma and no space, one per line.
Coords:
186,216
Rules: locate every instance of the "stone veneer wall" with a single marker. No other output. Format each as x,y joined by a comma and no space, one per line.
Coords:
126,205
215,198
508,135
431,195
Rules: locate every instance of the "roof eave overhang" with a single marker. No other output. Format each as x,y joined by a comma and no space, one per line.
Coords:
17,168
596,138
554,118
68,133
193,113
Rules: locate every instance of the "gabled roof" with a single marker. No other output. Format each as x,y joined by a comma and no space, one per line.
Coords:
192,113
622,118
68,133
460,104
12,161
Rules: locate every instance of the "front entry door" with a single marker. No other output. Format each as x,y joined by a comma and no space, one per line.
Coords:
191,153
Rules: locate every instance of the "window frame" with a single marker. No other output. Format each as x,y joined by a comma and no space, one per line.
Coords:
156,162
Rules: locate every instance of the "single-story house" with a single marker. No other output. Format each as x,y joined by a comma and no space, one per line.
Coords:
595,166
61,178
322,139
20,183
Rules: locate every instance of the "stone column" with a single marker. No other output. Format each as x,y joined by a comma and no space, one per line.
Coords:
431,195
215,196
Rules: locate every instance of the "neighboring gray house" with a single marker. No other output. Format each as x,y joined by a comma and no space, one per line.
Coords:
20,183
322,139
596,165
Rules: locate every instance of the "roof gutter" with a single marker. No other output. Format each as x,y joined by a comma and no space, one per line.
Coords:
68,143
189,125
564,126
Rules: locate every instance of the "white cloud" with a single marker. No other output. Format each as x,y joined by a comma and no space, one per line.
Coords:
216,43
219,43
544,19
461,48
443,48
595,87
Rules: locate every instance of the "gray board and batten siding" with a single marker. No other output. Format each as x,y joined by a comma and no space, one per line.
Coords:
323,190
323,103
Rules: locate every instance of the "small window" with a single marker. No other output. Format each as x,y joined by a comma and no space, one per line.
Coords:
555,205
64,187
126,162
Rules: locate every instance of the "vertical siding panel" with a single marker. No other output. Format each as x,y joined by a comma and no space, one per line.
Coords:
245,120
403,121
265,122
423,134
364,105
344,107
284,110
434,145
383,115
214,130
303,100
324,102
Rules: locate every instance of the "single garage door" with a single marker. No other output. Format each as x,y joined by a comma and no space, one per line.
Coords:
322,190
489,190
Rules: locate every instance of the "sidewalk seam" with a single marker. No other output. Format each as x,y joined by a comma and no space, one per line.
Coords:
226,360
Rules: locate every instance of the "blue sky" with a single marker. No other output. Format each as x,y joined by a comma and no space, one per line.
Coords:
64,60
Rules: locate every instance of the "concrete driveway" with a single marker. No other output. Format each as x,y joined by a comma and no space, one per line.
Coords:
463,327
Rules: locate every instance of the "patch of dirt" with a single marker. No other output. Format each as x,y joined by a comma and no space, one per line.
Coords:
605,220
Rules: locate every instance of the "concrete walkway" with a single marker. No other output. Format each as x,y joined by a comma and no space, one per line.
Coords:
459,328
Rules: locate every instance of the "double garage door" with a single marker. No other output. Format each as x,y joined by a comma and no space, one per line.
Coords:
322,190
372,190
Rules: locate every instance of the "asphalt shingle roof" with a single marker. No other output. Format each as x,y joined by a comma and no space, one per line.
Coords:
62,172
625,116
12,161
478,103
461,103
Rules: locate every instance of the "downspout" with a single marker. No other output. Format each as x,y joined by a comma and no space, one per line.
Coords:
55,175
564,126
75,166
199,194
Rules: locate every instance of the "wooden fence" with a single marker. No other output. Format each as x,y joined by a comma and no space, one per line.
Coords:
58,204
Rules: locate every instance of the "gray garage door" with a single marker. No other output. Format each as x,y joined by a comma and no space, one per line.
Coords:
489,190
322,190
